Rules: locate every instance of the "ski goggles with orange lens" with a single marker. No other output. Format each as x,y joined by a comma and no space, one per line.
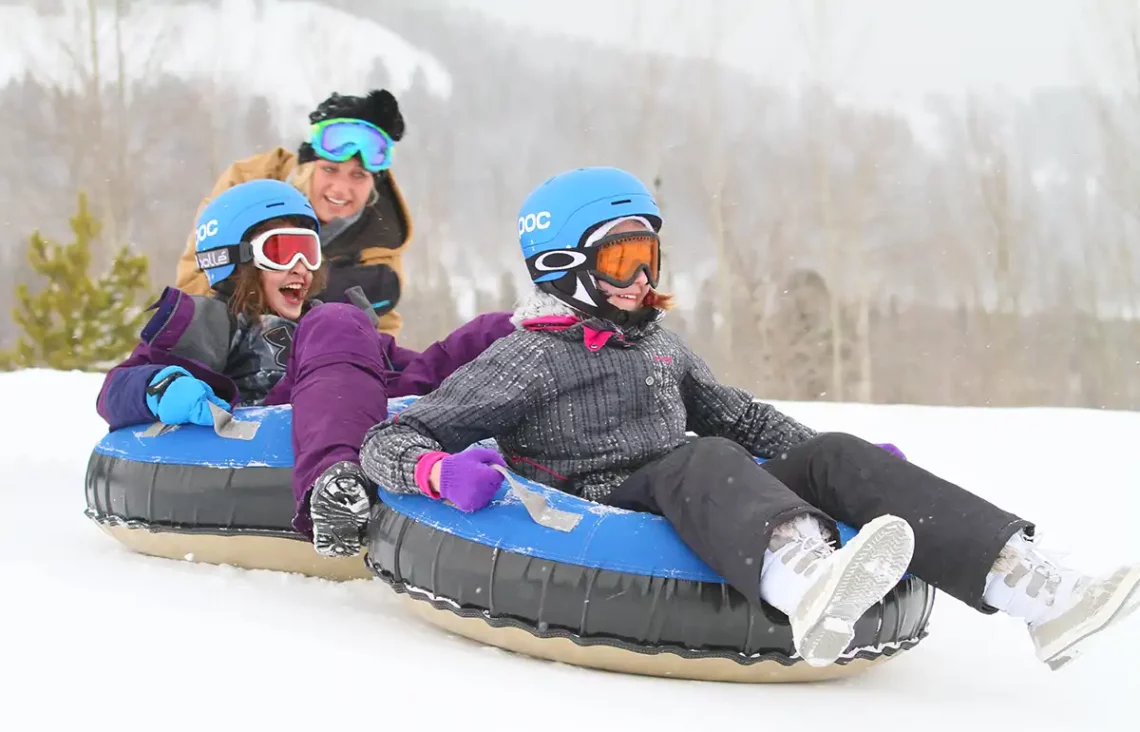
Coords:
340,138
618,258
276,249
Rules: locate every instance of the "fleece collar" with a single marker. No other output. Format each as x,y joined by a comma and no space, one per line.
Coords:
542,311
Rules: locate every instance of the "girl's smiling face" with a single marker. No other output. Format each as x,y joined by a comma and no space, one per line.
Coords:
632,296
283,292
626,298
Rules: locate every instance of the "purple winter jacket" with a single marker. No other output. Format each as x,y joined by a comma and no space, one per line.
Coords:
200,334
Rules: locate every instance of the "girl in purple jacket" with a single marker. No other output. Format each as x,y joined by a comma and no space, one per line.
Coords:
265,341
594,397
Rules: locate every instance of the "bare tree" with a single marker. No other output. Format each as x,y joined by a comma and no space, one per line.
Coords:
820,42
1117,28
103,140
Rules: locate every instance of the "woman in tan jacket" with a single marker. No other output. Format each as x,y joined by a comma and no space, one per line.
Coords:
343,169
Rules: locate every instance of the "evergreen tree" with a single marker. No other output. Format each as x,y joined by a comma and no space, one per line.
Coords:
77,322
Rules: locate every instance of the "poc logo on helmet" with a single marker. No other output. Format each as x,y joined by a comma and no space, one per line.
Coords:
534,222
207,229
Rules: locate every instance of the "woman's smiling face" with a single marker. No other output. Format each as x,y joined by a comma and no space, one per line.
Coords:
339,190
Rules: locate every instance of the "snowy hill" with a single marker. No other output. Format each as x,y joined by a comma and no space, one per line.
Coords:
292,52
98,635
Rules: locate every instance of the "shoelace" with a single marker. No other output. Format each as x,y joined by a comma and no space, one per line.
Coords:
1048,570
814,545
803,544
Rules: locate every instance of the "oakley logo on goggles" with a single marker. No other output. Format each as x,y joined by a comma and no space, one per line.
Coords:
276,249
339,139
617,259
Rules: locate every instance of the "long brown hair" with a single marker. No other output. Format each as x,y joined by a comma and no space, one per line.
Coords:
248,296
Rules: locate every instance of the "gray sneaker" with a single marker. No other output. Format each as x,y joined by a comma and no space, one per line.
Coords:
338,507
848,582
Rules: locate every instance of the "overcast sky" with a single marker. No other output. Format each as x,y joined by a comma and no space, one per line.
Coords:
880,49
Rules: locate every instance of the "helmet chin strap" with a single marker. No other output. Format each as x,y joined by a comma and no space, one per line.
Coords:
580,291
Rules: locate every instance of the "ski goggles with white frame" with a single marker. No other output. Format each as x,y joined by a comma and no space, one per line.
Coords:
275,250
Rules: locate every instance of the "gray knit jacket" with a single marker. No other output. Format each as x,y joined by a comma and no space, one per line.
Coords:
578,419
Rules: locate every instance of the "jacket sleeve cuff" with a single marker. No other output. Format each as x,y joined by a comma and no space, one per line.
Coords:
153,397
424,465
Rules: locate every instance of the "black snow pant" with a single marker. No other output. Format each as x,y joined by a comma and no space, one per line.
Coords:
725,506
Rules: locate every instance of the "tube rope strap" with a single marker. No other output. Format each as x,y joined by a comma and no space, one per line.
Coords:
535,503
224,426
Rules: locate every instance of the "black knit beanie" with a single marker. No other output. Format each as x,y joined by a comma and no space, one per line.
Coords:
379,107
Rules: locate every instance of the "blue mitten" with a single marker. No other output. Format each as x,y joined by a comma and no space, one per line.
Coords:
176,397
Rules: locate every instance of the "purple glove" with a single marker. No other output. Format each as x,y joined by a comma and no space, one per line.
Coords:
467,478
892,450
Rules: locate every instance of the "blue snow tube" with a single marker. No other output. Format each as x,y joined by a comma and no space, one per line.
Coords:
552,575
187,493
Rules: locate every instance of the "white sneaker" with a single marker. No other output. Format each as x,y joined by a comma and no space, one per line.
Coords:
1062,607
845,584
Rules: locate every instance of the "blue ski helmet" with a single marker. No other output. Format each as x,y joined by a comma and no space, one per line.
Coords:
559,212
559,215
227,219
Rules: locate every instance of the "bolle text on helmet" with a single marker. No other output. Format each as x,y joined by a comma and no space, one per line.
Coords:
207,230
212,258
533,222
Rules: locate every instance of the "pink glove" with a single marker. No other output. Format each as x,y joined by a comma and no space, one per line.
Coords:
891,449
466,479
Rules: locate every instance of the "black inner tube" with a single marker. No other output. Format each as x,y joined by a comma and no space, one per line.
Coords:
595,606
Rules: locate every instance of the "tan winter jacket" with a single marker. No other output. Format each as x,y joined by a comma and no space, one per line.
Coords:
371,240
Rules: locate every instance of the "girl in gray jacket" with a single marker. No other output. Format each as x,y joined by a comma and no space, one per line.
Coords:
592,396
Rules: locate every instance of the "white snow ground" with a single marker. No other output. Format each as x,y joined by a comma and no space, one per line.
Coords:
100,637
